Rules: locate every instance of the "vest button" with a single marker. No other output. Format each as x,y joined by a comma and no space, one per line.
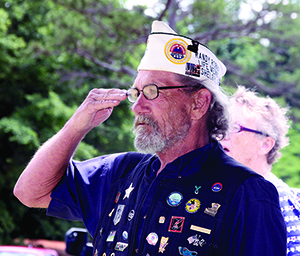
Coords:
179,177
136,250
145,216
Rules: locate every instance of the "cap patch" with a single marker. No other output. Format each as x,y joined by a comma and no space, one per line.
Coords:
176,51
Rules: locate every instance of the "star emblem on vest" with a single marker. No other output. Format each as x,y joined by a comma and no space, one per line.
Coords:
128,191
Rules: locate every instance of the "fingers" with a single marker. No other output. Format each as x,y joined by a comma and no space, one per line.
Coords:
105,98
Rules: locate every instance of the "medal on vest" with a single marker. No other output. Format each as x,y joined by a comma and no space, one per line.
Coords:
118,215
176,224
161,219
196,240
117,197
213,210
130,215
111,236
163,244
197,189
217,187
192,205
186,251
125,235
128,191
152,238
121,246
174,199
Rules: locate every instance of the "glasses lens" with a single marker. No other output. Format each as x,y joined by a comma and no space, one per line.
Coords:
133,94
150,91
234,128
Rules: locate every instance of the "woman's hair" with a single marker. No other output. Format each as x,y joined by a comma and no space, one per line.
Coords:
270,118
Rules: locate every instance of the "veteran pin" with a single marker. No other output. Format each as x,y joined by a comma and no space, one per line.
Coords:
174,199
186,251
176,224
213,210
120,246
118,214
217,187
152,238
192,205
163,244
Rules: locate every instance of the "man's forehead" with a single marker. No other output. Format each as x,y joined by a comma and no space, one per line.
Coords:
159,78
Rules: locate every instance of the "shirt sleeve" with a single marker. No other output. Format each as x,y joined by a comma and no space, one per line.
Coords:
258,225
290,210
81,193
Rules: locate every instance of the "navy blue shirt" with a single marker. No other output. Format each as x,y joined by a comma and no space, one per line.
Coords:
203,203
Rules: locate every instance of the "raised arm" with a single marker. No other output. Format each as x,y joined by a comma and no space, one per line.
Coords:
48,165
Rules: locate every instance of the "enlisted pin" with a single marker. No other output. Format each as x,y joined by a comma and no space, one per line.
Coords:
192,205
174,199
152,238
213,210
176,224
217,187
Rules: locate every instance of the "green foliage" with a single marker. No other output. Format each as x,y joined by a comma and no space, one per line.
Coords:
288,168
54,52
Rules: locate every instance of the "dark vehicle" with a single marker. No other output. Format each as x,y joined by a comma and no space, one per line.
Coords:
77,242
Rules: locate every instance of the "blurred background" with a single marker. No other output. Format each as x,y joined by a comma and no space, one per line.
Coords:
53,52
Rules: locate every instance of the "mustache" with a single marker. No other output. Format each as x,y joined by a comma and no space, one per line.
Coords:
143,119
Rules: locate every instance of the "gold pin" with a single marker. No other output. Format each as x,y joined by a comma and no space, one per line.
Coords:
200,229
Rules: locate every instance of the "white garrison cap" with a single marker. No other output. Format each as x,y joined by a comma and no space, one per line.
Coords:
168,51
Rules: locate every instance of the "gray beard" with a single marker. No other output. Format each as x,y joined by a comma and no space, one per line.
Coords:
149,140
145,141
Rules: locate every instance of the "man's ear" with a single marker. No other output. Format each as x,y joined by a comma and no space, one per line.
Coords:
267,145
201,104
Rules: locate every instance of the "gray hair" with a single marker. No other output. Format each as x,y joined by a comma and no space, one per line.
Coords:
218,115
271,119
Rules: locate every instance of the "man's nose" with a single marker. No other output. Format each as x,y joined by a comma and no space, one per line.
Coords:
141,105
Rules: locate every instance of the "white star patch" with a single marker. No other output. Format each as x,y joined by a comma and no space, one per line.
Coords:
128,191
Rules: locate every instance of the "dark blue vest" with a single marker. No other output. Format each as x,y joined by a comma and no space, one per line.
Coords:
182,211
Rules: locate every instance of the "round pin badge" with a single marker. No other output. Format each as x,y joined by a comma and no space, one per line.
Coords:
174,199
152,238
192,205
217,187
130,215
125,235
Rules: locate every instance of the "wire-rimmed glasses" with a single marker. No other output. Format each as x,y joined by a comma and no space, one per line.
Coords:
150,91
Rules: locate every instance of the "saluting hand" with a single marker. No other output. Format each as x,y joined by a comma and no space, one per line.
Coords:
96,108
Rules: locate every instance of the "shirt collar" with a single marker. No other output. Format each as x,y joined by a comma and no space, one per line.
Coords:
186,164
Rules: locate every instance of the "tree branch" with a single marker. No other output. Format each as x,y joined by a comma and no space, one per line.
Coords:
123,69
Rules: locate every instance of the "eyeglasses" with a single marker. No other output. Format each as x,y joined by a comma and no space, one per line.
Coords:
150,91
236,128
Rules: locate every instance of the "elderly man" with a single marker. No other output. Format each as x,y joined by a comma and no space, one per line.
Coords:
181,195
256,135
